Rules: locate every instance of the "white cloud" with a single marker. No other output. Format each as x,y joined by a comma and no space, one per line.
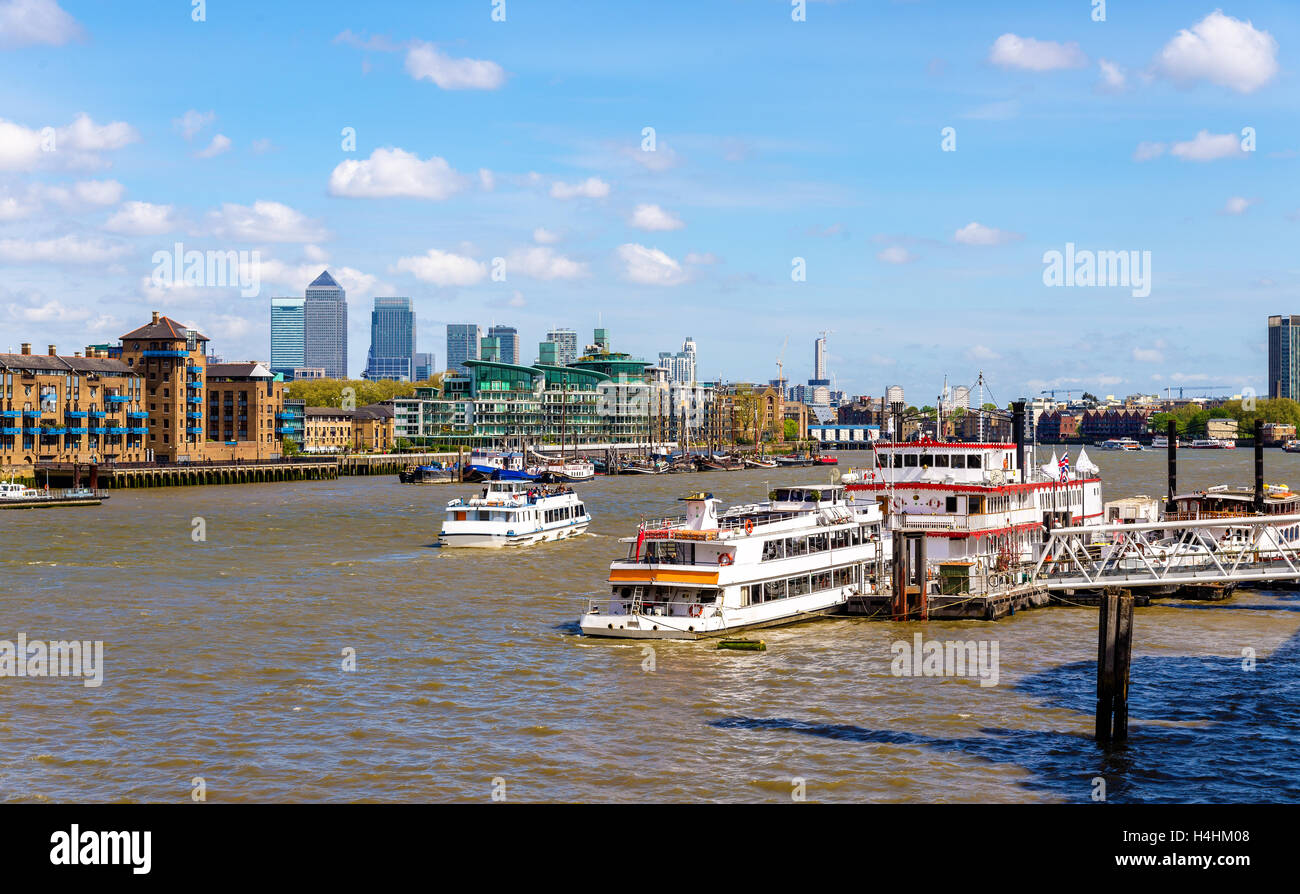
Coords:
25,23
650,266
264,221
86,193
517,299
1149,355
1209,147
220,144
1112,77
391,173
425,62
442,268
1146,151
697,259
978,234
262,146
541,262
896,254
99,192
982,352
64,250
1237,205
1013,51
487,179
591,188
654,219
315,254
543,236
192,122
1223,51
84,135
141,219
78,145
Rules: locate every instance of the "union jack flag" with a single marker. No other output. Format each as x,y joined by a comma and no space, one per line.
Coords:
1064,466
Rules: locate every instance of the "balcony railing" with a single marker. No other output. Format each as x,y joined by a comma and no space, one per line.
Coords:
156,353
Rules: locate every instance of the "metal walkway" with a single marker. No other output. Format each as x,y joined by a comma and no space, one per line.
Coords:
1204,551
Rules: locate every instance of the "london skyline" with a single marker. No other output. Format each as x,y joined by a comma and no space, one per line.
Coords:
649,178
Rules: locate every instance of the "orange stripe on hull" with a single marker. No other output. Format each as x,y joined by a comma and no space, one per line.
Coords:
663,577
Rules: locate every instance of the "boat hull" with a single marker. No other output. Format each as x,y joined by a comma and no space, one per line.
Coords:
712,622
488,540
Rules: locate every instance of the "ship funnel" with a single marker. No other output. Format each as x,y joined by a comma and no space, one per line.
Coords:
701,512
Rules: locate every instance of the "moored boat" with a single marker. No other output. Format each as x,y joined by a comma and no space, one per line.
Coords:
17,496
514,513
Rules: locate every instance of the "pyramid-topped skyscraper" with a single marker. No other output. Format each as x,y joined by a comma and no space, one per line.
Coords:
325,327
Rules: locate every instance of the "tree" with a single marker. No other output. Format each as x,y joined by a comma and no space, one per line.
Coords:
1089,397
791,430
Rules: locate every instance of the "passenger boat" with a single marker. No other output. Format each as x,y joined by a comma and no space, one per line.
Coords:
1213,444
490,464
1120,444
571,470
1291,446
1162,441
641,468
800,554
17,496
514,513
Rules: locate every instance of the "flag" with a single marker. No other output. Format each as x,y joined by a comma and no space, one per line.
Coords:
1064,466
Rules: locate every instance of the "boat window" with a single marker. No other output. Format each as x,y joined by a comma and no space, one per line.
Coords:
973,461
843,576
773,549
773,590
821,581
839,539
796,546
974,505
950,504
898,460
910,460
959,461
941,460
818,543
798,586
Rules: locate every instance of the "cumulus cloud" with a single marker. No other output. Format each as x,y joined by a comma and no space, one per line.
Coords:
543,236
1013,51
25,23
1237,205
393,173
896,254
78,145
264,221
141,219
1223,51
424,61
649,266
591,188
654,219
64,250
442,268
84,194
1208,147
192,122
220,144
978,234
1112,78
540,262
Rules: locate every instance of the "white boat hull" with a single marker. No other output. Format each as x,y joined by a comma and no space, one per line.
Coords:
488,540
713,620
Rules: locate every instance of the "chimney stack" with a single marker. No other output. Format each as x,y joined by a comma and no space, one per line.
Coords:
53,351
155,316
27,347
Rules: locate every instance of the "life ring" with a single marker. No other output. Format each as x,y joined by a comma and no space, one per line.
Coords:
749,526
697,610
725,559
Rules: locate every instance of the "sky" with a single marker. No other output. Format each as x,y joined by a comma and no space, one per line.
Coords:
748,173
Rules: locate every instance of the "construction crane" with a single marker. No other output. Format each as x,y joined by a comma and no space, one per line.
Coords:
1180,388
1066,391
780,367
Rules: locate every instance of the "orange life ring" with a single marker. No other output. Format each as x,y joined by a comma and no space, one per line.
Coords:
725,559
697,610
749,526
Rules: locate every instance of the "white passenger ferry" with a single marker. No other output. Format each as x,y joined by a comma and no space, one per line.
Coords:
514,513
1120,444
801,554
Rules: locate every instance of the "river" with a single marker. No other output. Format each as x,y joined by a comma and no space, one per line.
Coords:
224,661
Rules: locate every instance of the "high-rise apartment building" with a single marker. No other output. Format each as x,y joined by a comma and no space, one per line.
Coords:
1284,357
680,367
325,327
508,340
566,345
392,341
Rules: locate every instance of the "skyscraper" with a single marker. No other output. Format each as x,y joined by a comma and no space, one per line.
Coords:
819,358
462,344
680,366
392,341
566,345
325,327
508,339
287,335
819,386
1284,357
424,366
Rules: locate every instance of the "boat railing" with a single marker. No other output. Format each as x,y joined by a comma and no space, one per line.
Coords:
620,605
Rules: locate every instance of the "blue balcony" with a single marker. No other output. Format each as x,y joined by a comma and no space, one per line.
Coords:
77,431
195,415
10,414
75,414
118,399
10,430
118,430
194,399
98,430
51,432
137,414
140,430
195,430
165,353
31,412
97,414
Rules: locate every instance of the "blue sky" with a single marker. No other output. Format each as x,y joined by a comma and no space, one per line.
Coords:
775,139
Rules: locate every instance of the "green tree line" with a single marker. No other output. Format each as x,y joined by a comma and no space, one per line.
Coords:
329,392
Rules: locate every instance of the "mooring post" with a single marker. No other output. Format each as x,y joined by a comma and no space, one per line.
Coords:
900,575
1259,466
1107,623
1172,434
922,572
1123,660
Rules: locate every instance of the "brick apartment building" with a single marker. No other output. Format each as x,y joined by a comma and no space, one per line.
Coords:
332,430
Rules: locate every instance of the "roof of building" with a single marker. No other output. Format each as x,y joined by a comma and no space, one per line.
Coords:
374,411
163,328
46,363
324,281
248,369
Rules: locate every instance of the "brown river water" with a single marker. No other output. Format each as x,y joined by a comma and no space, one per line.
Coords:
223,660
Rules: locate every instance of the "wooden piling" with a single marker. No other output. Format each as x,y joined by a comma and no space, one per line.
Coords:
1114,657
